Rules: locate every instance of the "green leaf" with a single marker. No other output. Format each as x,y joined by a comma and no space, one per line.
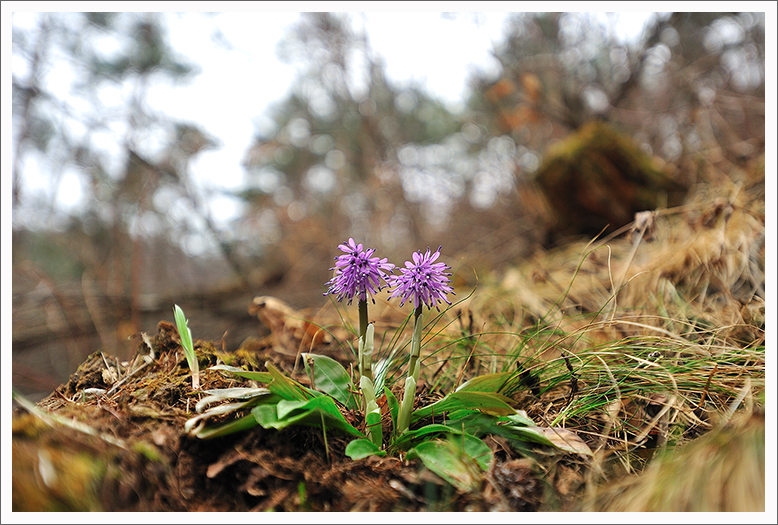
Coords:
186,343
473,422
362,448
520,418
460,460
266,416
485,401
262,377
285,387
559,438
405,441
238,425
394,407
502,383
517,428
330,377
479,451
478,423
308,412
285,407
373,423
183,330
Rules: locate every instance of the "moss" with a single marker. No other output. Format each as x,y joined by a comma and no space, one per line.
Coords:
598,177
148,451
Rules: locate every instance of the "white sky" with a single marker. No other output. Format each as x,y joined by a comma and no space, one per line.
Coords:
435,51
438,52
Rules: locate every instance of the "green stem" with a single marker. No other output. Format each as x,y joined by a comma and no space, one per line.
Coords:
372,412
413,364
409,392
362,318
365,343
406,407
324,433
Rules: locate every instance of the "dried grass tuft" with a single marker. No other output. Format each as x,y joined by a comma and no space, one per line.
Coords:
723,471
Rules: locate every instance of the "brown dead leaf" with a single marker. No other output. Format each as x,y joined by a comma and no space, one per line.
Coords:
565,440
289,328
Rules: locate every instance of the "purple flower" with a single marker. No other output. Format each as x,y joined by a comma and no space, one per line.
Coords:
357,273
424,280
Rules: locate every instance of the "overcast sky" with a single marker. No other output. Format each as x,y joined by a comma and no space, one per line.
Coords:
435,50
438,51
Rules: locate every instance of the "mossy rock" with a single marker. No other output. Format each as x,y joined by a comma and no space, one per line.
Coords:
598,178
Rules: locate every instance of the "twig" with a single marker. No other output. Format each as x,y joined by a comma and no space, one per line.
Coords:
644,433
114,377
116,385
698,408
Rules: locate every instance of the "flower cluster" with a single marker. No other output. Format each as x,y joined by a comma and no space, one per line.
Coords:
423,281
357,273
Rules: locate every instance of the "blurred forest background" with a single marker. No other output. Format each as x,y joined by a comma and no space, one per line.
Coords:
394,167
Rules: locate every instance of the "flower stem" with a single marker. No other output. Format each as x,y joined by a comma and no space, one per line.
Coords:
406,407
413,364
362,318
413,374
372,412
365,343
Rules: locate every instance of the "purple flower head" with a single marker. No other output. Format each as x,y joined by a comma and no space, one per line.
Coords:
357,273
424,280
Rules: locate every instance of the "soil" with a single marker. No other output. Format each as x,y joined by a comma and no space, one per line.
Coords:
142,460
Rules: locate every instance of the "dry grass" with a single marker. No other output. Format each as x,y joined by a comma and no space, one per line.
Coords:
640,342
721,471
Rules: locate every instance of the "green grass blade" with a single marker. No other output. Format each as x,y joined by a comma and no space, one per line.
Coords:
394,407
